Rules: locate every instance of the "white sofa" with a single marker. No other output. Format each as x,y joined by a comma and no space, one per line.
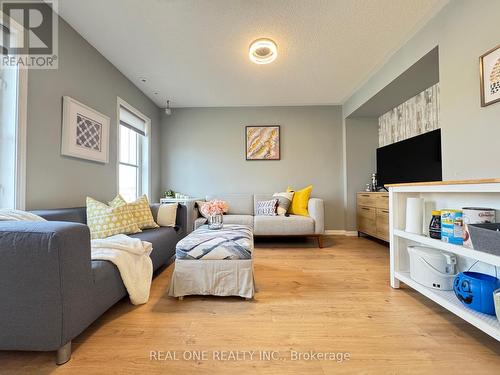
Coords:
242,211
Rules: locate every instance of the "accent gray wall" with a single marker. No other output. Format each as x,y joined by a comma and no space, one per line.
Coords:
203,152
84,74
464,30
361,160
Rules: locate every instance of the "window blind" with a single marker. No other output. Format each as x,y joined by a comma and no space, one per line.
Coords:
3,30
131,121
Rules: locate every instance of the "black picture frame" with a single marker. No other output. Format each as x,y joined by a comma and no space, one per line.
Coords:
278,127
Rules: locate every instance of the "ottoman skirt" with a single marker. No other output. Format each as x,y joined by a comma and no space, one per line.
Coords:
213,277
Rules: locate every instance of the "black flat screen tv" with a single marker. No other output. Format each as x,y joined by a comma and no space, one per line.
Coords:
417,159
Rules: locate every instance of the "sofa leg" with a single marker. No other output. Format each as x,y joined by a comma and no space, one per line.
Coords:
320,241
63,354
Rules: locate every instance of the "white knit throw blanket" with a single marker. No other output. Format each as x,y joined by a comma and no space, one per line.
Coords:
131,256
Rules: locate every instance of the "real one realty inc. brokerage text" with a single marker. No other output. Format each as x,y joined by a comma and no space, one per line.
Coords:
247,355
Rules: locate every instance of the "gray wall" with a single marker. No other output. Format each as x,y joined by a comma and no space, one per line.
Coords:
464,30
203,151
361,146
84,74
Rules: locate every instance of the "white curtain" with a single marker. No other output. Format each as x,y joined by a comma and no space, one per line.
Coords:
8,136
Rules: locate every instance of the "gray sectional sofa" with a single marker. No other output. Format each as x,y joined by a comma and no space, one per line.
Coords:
242,211
50,288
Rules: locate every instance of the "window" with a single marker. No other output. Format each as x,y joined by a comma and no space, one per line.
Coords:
133,153
12,132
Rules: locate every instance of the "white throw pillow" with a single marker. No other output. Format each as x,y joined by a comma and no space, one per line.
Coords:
7,214
267,208
167,214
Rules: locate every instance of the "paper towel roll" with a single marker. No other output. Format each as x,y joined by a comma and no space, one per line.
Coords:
414,215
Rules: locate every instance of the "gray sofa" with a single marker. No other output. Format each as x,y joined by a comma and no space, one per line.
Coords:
242,211
50,288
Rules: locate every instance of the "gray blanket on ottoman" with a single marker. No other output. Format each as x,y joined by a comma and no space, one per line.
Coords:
230,243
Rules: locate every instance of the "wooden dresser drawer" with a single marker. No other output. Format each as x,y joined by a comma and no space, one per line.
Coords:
383,235
382,201
367,199
382,223
366,225
369,213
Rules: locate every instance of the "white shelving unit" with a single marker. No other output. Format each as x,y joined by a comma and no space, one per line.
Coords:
457,194
455,249
447,299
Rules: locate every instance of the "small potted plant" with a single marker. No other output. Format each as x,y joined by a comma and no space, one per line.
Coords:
170,194
215,210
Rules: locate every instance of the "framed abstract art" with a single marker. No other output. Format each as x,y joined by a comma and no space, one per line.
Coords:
490,76
85,132
262,142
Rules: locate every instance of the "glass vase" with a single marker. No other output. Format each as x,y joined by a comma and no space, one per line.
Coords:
215,221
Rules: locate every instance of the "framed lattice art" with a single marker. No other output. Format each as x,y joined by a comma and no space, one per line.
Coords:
85,132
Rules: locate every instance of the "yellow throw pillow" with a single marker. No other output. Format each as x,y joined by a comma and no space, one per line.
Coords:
299,201
139,209
105,221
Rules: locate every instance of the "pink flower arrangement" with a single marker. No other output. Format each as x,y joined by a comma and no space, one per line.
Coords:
215,207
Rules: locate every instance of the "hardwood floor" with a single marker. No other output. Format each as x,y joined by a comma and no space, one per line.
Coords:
335,299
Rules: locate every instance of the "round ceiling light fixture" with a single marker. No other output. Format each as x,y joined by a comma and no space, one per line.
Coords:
263,51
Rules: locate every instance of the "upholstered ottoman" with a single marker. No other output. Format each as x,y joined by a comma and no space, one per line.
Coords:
214,262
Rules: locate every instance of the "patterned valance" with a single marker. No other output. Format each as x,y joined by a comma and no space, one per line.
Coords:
417,115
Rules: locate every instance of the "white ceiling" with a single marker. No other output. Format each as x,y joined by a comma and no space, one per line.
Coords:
195,52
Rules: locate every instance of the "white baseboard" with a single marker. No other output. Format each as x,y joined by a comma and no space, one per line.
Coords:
341,232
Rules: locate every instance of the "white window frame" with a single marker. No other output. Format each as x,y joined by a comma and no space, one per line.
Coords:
145,186
21,126
22,121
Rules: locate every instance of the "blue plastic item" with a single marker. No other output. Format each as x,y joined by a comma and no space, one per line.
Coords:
475,290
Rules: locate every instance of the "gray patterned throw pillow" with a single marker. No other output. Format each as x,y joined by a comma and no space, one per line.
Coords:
267,208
